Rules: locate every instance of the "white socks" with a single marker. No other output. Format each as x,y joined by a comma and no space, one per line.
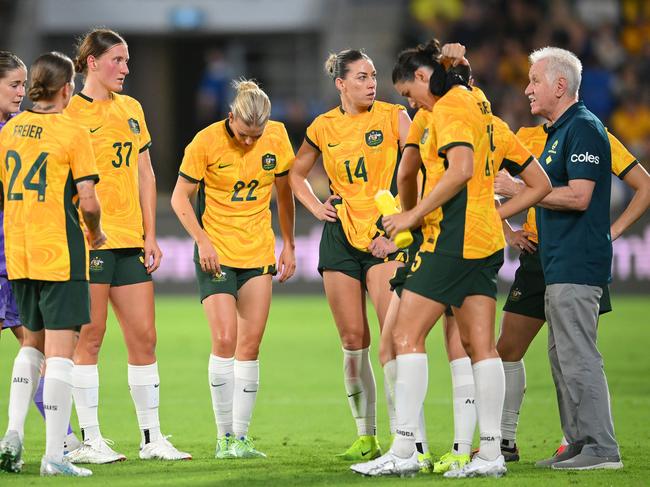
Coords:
515,377
410,392
390,374
361,389
247,381
57,402
462,380
144,383
221,376
489,382
85,383
24,381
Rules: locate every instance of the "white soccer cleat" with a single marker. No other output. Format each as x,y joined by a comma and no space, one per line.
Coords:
71,442
389,464
162,449
97,451
11,452
480,468
51,468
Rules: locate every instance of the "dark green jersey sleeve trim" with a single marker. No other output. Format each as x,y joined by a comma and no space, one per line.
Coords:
90,177
145,147
283,173
189,178
443,149
311,142
513,168
627,169
412,145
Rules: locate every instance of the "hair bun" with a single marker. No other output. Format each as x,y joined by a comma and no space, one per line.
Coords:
242,85
330,65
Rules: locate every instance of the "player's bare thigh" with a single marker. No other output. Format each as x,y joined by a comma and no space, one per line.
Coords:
347,300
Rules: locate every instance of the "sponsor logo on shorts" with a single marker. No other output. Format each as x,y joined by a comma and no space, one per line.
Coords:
134,126
96,264
268,162
374,138
515,294
586,157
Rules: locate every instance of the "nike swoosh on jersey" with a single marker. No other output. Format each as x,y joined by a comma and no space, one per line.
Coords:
92,131
333,145
221,166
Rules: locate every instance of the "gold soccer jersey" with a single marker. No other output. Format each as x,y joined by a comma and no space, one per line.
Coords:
118,132
235,190
360,155
470,227
535,139
42,157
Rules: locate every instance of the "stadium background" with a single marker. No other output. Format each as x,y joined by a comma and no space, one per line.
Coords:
184,54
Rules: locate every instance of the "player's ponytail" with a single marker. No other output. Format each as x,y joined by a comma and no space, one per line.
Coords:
337,65
251,105
49,73
428,56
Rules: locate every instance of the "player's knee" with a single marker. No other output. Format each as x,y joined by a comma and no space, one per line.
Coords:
352,340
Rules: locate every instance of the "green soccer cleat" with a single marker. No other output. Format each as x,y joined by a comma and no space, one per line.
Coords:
243,448
11,452
363,449
450,461
426,462
224,447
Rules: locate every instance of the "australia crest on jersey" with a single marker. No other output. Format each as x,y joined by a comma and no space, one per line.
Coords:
425,136
96,264
134,126
268,162
374,138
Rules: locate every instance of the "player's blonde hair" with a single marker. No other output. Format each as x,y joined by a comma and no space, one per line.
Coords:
251,105
560,64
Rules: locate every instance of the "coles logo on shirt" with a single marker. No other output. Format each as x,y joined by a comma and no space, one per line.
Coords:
586,157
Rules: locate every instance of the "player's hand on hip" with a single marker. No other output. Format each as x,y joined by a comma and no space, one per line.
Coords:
152,255
327,211
286,263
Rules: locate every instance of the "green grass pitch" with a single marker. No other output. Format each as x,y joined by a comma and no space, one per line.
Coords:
302,418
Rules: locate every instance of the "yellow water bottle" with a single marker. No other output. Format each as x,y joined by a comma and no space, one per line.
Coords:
386,205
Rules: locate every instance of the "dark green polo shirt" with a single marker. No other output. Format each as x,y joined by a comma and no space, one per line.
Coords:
576,246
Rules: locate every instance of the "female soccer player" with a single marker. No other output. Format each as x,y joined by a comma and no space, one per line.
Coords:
457,263
48,168
235,163
13,78
121,270
360,142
